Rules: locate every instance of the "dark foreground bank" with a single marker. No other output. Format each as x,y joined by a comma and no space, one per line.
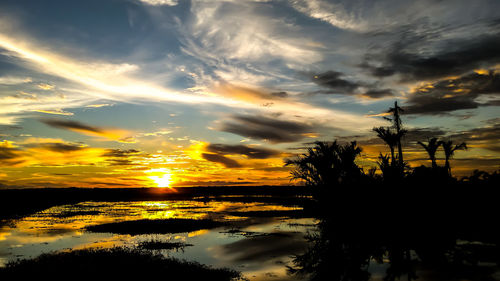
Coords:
112,264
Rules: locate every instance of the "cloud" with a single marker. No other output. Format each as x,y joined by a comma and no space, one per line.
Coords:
56,112
334,81
157,133
378,93
250,152
264,128
10,80
91,81
160,2
98,105
338,84
408,58
72,125
120,153
57,146
121,157
47,152
45,86
332,13
75,126
227,162
484,137
420,134
455,93
8,155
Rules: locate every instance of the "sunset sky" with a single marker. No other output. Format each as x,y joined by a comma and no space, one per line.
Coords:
128,93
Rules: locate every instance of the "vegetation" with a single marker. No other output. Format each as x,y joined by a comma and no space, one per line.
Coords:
431,148
327,164
449,150
159,244
332,164
407,217
115,264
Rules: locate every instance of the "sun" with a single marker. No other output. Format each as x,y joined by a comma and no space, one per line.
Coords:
161,177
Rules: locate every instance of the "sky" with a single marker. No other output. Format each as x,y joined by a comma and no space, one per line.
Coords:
172,93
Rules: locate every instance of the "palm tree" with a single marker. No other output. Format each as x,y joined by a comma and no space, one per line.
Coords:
396,119
449,151
327,164
431,148
390,138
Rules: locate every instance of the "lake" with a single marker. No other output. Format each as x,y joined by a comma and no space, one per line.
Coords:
259,239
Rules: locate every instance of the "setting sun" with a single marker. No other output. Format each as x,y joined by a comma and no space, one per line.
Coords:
161,177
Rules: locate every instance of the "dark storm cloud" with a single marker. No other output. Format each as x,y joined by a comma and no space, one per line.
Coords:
454,94
71,125
454,58
227,162
250,152
264,128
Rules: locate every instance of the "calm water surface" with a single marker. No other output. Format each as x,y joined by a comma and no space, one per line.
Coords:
261,248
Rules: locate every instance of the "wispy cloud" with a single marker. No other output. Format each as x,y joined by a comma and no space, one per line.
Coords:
11,80
55,111
160,2
332,13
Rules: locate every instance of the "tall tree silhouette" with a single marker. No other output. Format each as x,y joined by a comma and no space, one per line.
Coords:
396,120
449,151
431,148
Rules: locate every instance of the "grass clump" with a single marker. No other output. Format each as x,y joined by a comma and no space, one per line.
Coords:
157,244
115,263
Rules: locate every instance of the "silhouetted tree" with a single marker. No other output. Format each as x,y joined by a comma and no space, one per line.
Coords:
390,138
396,120
449,151
327,164
431,148
386,167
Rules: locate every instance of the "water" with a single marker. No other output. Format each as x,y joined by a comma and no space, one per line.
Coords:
261,248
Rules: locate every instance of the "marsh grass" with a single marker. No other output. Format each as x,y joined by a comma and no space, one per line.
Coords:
159,244
115,263
162,226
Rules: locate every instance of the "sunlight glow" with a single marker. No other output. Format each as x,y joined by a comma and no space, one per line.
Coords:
161,177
